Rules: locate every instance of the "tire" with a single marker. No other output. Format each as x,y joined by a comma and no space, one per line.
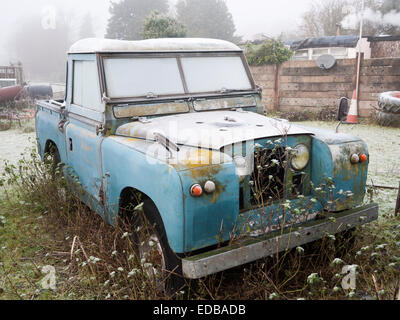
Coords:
55,159
152,228
389,102
56,156
388,119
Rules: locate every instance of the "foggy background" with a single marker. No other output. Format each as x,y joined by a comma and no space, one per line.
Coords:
21,18
43,51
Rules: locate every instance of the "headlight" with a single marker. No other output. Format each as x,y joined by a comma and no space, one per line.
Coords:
301,157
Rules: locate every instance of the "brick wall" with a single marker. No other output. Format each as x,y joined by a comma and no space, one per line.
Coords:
265,78
385,49
301,85
377,76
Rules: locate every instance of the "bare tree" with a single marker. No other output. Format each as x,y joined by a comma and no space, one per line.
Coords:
325,16
311,26
322,18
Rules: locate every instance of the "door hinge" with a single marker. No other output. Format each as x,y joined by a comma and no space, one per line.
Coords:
61,125
100,129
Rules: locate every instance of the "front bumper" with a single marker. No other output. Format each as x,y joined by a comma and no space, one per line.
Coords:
251,249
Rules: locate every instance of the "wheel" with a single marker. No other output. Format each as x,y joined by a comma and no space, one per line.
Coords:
56,155
389,102
388,119
55,160
159,262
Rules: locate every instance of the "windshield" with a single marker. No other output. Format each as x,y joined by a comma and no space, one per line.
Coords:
142,77
138,77
210,74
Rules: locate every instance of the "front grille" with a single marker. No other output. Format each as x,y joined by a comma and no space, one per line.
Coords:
268,179
297,185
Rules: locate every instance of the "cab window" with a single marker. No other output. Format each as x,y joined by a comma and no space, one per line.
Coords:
86,88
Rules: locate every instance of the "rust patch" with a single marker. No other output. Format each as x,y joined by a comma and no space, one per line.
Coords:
205,172
131,139
85,146
343,165
227,103
87,161
198,164
191,159
151,109
218,191
128,131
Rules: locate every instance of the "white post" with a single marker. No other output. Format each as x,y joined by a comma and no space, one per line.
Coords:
359,51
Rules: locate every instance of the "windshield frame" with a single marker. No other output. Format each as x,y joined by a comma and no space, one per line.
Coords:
177,55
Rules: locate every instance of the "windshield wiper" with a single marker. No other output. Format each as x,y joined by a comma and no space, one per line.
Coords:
166,143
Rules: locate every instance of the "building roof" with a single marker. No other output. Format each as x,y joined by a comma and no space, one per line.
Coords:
93,45
349,41
383,38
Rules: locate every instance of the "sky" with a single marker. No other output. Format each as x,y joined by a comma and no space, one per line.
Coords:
271,17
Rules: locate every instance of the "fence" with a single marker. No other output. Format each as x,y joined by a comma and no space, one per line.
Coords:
12,73
302,85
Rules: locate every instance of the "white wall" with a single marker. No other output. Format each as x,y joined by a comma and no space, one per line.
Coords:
365,48
351,52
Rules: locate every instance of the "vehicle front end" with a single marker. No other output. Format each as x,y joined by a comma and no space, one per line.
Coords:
289,191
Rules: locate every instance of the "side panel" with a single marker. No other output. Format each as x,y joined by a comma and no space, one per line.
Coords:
83,150
348,177
125,167
83,144
47,119
332,161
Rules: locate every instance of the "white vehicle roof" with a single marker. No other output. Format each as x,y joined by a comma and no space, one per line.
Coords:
94,45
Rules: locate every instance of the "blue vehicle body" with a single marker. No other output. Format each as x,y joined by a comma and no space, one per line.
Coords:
109,160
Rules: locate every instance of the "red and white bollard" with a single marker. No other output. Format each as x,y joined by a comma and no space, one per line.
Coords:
352,117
